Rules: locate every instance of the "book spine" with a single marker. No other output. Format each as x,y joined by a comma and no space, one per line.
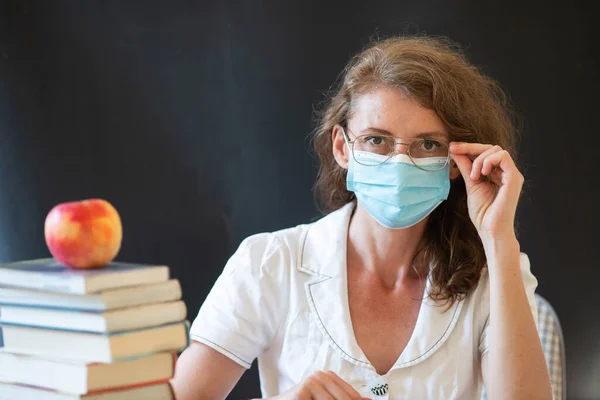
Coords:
58,307
127,387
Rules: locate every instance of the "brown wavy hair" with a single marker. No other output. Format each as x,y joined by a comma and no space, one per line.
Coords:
474,108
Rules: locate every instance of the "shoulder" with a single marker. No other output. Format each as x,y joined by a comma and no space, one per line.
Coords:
294,239
290,249
288,239
268,250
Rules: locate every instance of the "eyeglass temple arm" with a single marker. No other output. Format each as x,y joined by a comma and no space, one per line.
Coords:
345,136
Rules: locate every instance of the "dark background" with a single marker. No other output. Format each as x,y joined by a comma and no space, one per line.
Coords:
192,118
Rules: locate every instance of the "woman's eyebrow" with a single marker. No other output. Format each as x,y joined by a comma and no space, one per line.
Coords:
431,134
377,130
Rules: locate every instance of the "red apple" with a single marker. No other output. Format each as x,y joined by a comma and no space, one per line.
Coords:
84,234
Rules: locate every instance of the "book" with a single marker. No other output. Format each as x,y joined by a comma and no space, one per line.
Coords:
81,378
106,300
49,274
160,391
93,347
124,319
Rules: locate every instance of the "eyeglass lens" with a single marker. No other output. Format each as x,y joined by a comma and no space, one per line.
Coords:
418,150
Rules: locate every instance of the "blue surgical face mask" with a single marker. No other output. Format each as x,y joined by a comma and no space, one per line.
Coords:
397,193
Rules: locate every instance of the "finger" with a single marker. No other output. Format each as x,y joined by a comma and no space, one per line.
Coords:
487,167
470,149
318,391
509,180
478,163
332,386
504,161
464,165
348,389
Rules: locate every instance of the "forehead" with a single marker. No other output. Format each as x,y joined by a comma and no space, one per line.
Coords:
394,111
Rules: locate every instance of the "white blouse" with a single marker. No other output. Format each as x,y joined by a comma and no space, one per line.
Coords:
283,298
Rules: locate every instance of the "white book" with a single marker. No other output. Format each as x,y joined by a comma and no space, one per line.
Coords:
153,392
93,347
124,319
78,378
49,274
106,300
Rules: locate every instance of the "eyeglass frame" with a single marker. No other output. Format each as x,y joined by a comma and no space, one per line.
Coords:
396,140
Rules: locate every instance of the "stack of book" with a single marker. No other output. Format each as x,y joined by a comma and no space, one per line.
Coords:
105,334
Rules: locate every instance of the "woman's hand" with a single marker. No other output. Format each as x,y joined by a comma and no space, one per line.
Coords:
492,204
321,386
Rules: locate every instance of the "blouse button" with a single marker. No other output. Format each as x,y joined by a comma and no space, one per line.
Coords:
379,387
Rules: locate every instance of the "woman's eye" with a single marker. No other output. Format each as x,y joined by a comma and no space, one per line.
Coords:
375,140
428,144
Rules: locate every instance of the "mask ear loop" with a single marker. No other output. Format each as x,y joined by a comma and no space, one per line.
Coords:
351,154
346,140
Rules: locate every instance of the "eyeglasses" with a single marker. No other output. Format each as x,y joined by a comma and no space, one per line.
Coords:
373,149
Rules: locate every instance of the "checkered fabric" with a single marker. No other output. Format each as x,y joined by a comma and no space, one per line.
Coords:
553,345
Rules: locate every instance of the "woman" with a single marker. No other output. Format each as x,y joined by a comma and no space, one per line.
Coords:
414,285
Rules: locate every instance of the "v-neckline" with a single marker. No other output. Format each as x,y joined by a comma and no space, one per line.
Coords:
349,323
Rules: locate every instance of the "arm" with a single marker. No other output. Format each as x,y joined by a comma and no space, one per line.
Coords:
203,373
236,322
514,367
